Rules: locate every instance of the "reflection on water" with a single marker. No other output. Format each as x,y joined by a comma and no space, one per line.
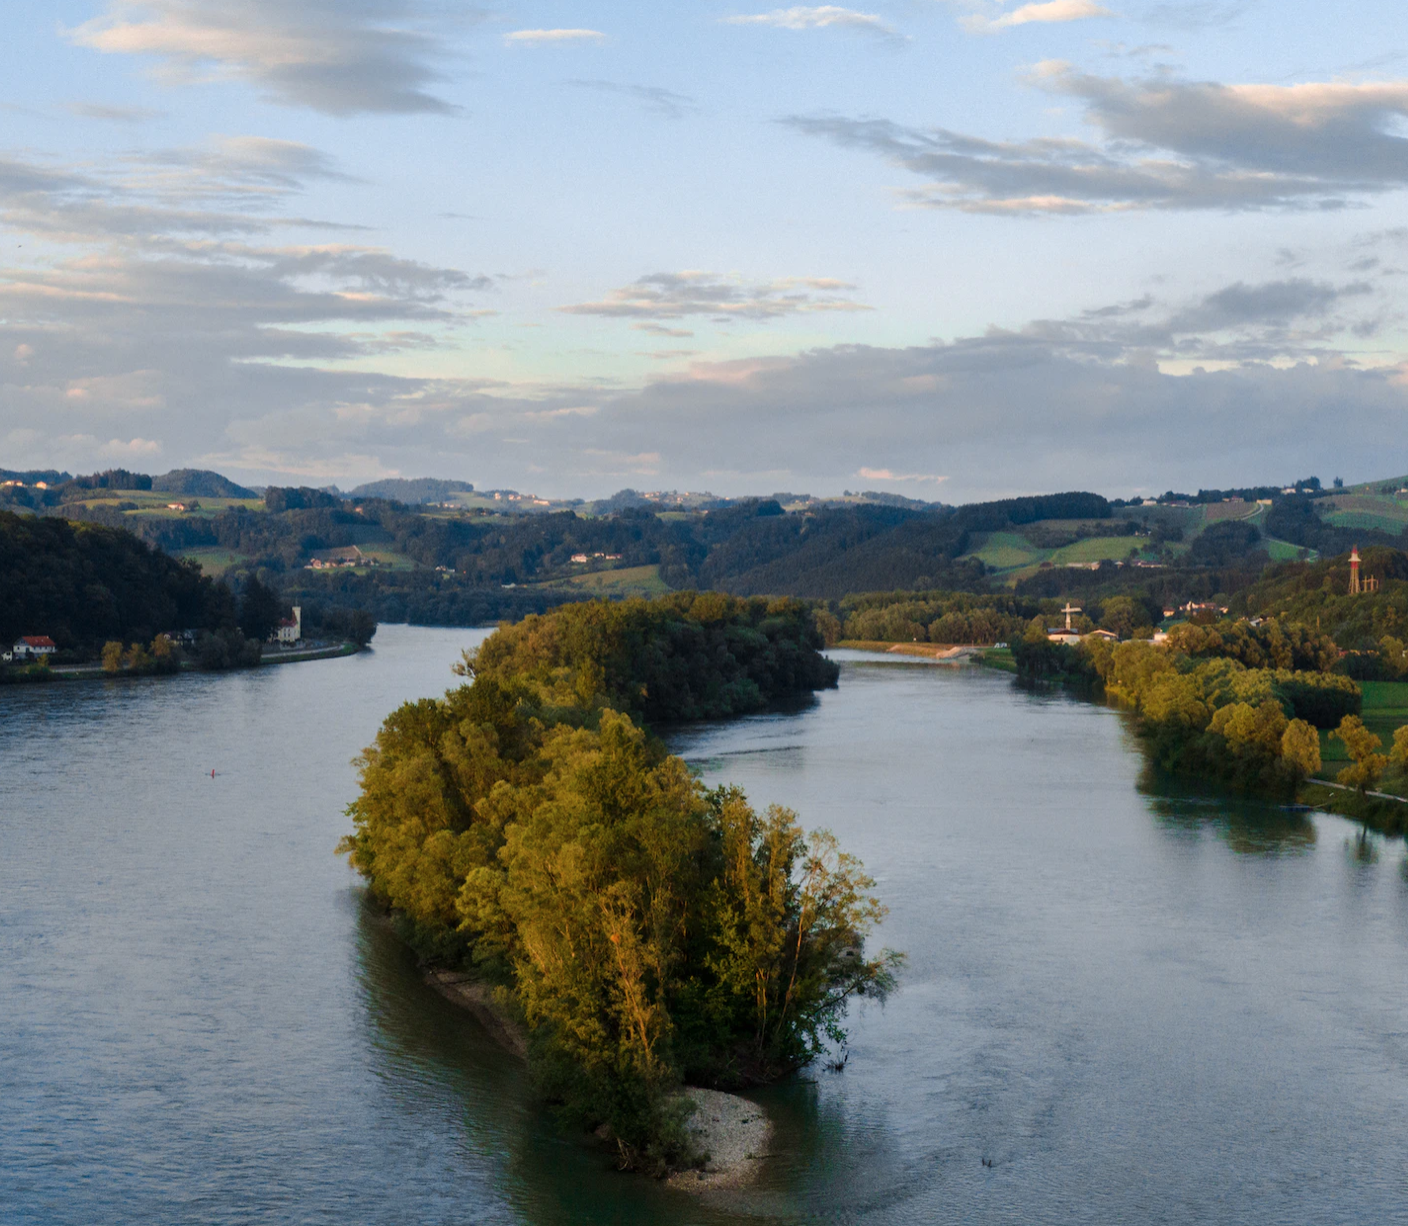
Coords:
1126,999
1248,826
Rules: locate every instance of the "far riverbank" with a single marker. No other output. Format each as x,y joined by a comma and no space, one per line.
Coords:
41,675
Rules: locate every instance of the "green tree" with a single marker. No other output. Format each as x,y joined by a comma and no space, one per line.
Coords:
1398,755
1300,747
260,609
1361,744
828,625
1124,615
112,656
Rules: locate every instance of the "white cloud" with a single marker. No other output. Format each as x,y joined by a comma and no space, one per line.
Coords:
801,17
885,474
538,37
329,55
1050,11
674,295
1166,144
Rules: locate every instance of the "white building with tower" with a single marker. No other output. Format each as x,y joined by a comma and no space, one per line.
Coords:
291,628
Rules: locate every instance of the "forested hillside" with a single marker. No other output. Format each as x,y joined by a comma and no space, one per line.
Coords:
85,584
464,562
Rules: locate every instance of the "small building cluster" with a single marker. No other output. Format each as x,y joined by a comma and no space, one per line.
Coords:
331,559
1069,635
581,558
30,647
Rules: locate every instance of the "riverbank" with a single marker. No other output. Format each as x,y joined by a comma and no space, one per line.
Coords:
999,658
31,675
1382,812
928,651
731,1132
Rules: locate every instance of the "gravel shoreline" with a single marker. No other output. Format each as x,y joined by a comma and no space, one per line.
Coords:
734,1132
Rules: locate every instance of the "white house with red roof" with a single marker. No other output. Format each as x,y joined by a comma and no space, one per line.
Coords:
32,646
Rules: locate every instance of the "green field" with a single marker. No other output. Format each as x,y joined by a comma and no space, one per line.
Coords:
213,561
627,581
1368,509
1005,550
155,502
1096,549
1385,710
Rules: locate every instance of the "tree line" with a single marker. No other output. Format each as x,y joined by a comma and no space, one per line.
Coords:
1236,703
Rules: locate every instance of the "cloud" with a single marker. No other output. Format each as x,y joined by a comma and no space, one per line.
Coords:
151,303
674,295
535,38
801,17
328,55
1283,321
1164,144
147,331
1200,15
113,114
885,474
652,97
1048,12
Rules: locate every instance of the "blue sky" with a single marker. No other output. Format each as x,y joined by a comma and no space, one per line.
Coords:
950,249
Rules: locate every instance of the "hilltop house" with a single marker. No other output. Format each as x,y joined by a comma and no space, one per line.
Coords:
290,629
32,646
348,555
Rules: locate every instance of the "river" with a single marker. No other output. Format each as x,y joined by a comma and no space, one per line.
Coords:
1125,1002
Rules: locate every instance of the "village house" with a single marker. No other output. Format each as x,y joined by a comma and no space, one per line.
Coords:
32,647
348,555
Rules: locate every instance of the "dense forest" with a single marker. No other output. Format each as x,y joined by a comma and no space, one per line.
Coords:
84,584
646,931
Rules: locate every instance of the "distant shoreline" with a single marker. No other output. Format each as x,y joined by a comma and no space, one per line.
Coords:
940,653
84,672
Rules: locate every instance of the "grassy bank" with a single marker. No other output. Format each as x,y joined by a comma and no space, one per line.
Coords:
1385,814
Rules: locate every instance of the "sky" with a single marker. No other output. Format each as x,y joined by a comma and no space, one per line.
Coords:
953,249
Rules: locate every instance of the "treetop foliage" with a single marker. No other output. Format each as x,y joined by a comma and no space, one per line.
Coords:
685,656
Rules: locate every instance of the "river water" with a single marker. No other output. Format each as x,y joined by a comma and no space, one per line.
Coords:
1124,1002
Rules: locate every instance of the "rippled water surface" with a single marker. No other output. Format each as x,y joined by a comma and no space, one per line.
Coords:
1138,1004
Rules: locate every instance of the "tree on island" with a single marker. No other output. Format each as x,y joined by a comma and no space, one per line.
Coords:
650,932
